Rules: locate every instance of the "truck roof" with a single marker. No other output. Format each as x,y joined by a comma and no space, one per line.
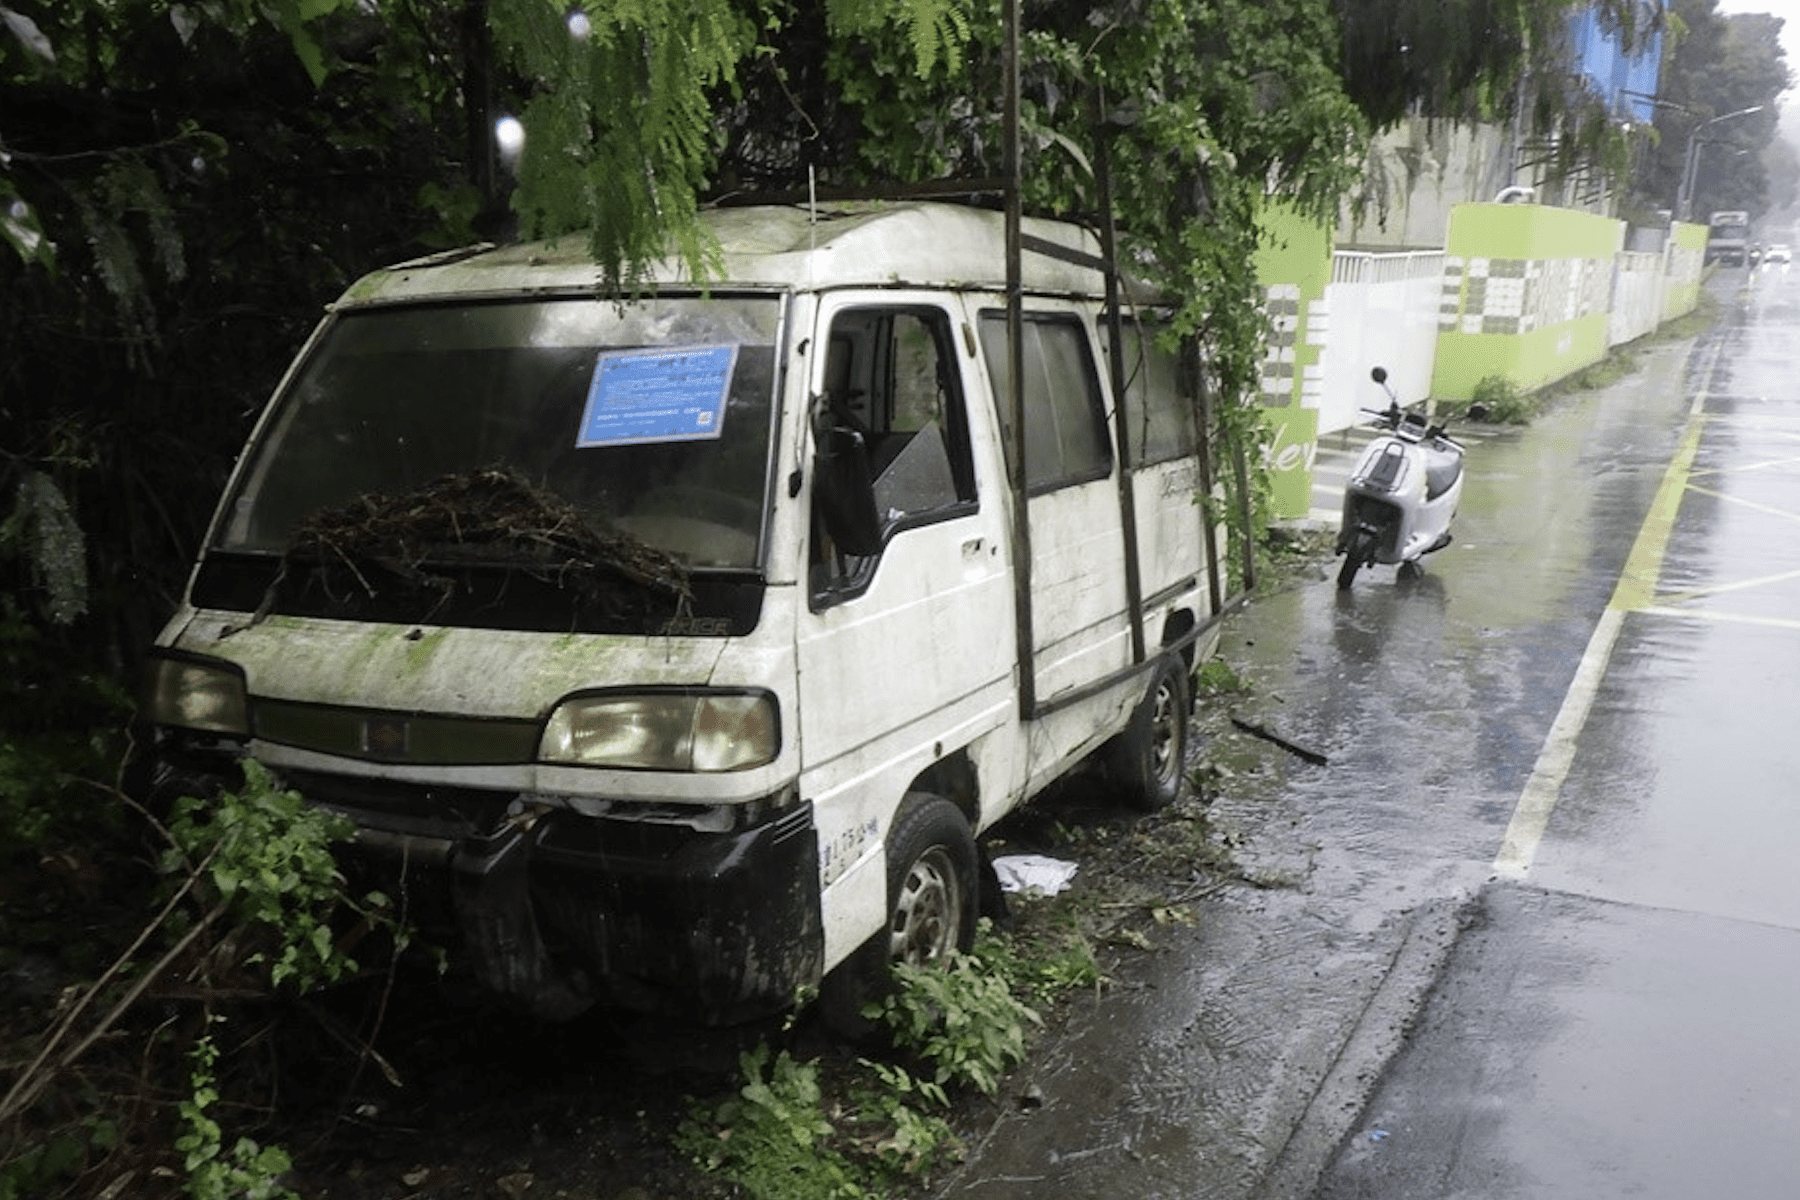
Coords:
865,243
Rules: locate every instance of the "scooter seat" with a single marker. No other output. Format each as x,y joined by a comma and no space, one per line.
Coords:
1442,469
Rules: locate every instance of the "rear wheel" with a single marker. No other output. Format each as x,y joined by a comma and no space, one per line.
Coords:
932,906
1148,761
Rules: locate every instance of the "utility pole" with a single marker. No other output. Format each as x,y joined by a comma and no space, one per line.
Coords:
1690,163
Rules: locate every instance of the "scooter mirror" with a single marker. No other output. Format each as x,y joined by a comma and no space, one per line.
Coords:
1379,374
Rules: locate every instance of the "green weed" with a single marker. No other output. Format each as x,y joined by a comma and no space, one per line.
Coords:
266,853
245,1170
771,1136
1506,402
1217,677
954,1024
1048,954
251,890
896,1119
45,1169
960,1017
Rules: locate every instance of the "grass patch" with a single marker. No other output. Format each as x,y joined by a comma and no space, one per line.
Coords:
1505,401
816,1130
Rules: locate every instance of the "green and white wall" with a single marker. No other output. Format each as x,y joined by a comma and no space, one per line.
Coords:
1684,269
1525,295
1528,293
1294,263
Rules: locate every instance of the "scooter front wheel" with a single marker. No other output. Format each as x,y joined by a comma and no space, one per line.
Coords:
1360,551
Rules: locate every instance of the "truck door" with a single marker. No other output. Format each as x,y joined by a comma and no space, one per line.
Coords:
1080,625
1164,443
905,655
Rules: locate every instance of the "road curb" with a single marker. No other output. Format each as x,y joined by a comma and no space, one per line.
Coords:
1337,1104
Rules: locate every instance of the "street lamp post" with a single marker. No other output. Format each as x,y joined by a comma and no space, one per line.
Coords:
1690,163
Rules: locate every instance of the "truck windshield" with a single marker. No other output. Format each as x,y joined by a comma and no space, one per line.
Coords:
649,420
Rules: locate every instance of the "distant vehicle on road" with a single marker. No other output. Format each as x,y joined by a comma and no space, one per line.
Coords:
1728,238
1778,253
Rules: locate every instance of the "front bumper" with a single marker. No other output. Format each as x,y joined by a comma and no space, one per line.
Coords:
553,912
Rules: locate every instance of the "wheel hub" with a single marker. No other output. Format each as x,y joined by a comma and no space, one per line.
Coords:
925,913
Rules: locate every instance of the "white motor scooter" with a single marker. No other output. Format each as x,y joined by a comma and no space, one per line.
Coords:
1402,492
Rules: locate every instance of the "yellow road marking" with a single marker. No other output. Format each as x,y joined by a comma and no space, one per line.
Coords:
1532,813
1636,588
1635,592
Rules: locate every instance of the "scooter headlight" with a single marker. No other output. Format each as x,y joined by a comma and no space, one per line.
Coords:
675,730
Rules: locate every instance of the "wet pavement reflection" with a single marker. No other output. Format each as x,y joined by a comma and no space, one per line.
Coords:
1424,1013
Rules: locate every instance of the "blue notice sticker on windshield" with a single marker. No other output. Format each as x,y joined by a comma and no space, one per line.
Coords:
669,394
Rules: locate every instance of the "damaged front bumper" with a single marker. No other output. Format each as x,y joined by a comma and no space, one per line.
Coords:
553,911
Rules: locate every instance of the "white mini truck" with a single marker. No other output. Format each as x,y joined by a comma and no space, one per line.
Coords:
671,654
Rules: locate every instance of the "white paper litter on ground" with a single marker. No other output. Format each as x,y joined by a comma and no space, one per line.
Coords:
1033,873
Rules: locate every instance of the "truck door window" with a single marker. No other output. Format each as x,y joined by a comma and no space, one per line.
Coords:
1158,407
890,373
1065,423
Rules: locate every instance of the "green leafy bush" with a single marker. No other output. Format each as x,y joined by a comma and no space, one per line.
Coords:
959,1016
1506,402
770,1136
267,855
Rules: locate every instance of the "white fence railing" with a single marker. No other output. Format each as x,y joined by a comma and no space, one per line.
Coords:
1378,310
1637,297
1382,310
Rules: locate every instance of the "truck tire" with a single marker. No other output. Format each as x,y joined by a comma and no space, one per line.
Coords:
933,901
1147,763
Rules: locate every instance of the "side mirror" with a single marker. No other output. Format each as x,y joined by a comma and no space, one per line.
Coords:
1379,374
844,490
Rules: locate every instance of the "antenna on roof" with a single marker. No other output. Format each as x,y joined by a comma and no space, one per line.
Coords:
812,201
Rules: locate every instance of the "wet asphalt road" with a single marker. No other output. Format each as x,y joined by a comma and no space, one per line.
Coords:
1533,930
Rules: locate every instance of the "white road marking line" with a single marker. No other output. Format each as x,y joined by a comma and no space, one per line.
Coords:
1724,618
1634,592
1532,813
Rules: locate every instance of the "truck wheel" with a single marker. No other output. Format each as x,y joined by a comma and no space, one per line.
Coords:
1148,761
932,905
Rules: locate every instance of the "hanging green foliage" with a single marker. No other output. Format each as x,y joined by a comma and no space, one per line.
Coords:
619,136
1209,112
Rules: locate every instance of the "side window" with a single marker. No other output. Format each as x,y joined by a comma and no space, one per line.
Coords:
891,374
1159,410
1065,425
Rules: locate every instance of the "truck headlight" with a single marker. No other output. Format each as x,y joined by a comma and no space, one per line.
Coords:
197,693
674,730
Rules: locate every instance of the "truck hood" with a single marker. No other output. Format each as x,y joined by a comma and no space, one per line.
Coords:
481,673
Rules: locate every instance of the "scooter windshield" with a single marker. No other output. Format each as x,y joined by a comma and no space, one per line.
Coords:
648,422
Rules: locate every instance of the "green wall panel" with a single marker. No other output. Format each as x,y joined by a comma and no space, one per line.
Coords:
1526,292
1292,448
1293,263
